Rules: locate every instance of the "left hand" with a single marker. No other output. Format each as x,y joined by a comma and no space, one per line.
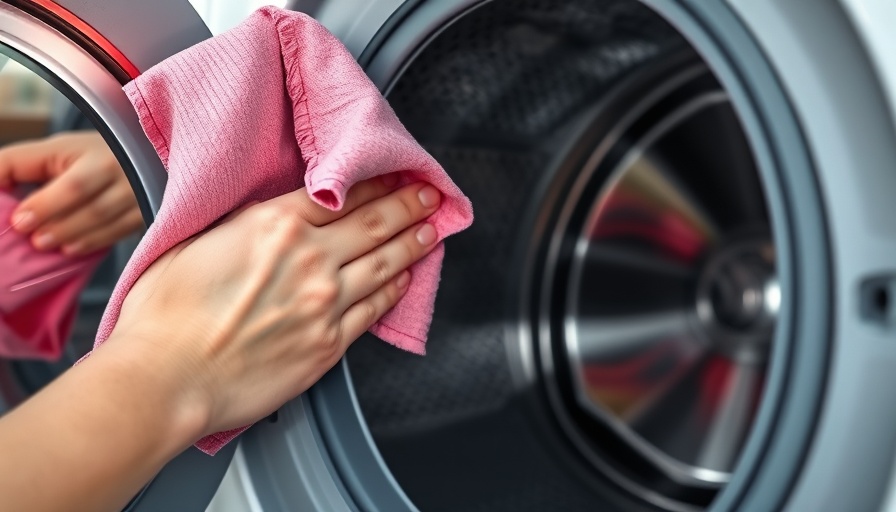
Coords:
85,203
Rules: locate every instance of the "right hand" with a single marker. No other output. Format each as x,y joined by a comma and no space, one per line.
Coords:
252,312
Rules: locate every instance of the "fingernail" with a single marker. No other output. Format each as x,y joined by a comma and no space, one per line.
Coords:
390,179
23,221
429,196
44,241
403,280
73,249
426,235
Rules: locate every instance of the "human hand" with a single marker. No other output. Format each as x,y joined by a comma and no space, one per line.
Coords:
252,312
85,203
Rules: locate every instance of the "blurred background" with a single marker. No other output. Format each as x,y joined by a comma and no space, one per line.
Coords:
27,102
221,15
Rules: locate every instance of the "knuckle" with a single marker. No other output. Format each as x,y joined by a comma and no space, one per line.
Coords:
270,214
312,260
380,269
283,224
75,186
331,343
370,313
260,213
322,296
307,210
374,226
88,246
408,206
393,296
410,251
96,212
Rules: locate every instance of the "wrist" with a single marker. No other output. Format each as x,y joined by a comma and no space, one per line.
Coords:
176,406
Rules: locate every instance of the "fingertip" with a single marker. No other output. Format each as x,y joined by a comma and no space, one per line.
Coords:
426,234
44,241
23,221
429,196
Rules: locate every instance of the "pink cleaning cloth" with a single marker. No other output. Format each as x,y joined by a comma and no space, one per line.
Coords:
275,104
38,292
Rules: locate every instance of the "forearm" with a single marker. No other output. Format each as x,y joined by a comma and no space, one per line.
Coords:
93,437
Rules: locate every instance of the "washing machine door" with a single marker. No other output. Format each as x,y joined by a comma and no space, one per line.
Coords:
76,55
677,294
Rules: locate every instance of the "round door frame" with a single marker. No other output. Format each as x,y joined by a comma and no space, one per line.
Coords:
836,92
56,49
784,70
776,136
827,102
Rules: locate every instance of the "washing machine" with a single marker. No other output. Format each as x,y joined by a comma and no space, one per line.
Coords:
678,293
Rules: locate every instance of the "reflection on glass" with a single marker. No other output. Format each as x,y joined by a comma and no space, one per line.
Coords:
674,298
26,103
57,266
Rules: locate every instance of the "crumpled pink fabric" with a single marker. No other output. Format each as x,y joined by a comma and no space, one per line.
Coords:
275,104
38,292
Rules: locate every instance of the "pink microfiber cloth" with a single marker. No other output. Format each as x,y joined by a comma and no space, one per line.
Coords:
273,105
38,292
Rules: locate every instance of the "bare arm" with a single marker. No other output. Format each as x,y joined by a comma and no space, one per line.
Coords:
93,437
218,333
